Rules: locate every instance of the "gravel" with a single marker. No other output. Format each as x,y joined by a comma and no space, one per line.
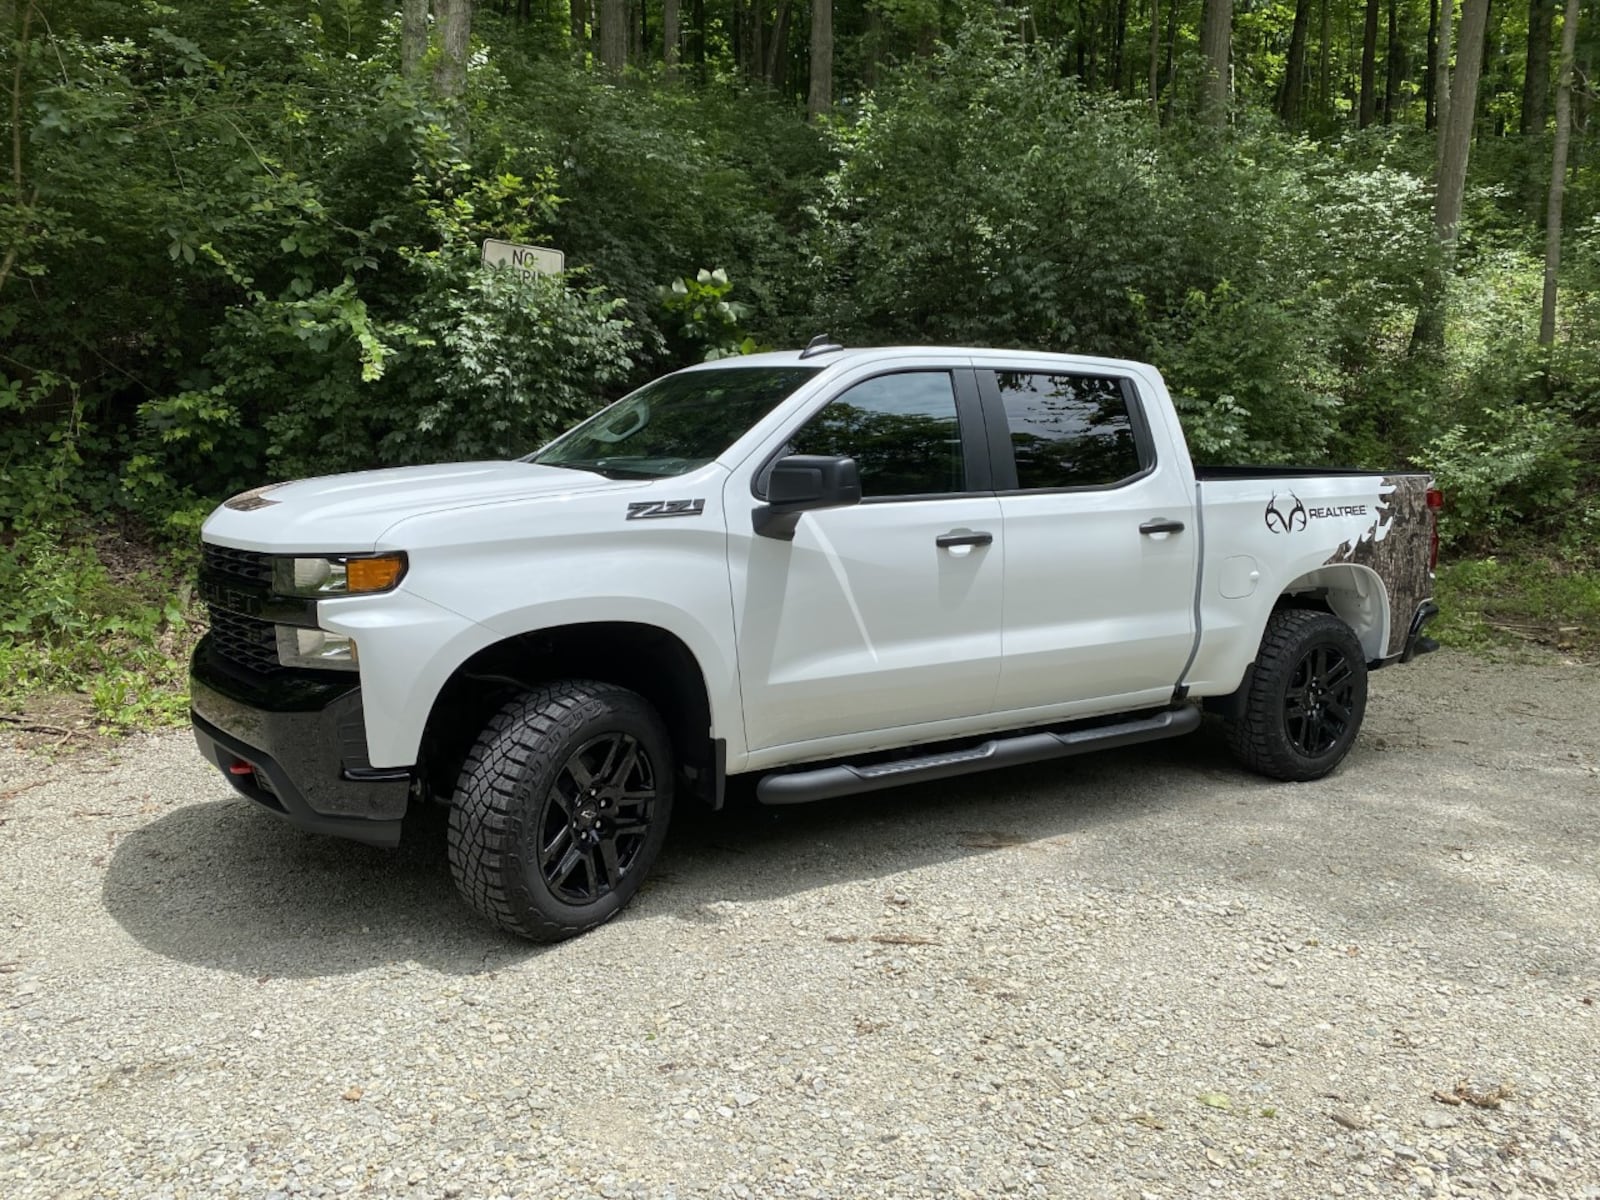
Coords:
1141,974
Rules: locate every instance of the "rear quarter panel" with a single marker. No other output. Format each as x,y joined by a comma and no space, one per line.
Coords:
1265,535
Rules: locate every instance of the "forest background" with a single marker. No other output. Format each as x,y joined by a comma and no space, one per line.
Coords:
239,241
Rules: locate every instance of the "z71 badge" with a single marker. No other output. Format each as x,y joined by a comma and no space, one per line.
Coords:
651,510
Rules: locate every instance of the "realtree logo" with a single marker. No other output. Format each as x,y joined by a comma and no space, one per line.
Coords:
1282,517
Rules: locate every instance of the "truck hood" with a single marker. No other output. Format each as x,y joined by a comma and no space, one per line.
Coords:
348,513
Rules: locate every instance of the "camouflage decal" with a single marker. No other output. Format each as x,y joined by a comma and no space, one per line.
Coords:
1397,546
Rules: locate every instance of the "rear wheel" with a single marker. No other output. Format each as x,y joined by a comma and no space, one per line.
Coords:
561,808
1306,697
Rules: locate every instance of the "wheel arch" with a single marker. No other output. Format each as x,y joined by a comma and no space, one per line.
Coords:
644,658
1353,593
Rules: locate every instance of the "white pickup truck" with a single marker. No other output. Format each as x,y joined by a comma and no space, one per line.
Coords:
836,570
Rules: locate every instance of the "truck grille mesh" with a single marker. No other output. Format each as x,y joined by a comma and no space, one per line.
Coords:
244,641
244,565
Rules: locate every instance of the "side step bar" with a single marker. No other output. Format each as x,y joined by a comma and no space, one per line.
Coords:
824,783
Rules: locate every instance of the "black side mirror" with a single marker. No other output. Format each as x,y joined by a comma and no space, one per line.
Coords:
800,483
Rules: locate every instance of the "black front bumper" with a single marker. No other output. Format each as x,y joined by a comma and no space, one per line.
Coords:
296,744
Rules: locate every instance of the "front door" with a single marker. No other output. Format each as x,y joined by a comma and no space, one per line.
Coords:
885,614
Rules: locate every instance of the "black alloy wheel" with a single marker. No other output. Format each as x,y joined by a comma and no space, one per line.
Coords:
561,807
1320,701
596,818
1304,698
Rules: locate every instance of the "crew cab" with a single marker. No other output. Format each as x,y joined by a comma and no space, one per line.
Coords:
834,570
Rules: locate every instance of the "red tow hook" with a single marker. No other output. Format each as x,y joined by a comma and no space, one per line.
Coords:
240,767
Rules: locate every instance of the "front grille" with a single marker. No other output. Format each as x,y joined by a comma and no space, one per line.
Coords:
244,565
245,641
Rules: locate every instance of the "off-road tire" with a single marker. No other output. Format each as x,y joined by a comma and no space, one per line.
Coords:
1270,736
500,805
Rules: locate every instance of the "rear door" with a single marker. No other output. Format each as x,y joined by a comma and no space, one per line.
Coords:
885,614
1101,543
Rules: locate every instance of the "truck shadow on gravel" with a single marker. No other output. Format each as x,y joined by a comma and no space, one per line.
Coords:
227,886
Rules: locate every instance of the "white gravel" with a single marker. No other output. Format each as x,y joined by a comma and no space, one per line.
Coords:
1143,974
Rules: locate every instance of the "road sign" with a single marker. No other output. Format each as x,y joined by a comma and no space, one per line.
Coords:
530,260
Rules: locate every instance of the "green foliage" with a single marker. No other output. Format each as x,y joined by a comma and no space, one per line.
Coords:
69,622
1492,602
701,320
236,244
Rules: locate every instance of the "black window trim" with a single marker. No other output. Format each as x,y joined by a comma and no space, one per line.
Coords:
977,449
1003,460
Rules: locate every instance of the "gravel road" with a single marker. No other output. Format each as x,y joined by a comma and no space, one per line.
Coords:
1142,974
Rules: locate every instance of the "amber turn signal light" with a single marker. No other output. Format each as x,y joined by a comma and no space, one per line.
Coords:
376,574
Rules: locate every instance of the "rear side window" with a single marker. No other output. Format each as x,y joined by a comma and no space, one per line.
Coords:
902,431
1069,431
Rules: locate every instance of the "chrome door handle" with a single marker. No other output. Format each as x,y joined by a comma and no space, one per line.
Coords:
954,538
1161,525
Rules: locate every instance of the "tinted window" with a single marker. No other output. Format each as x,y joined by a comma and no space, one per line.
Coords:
900,429
1068,430
676,424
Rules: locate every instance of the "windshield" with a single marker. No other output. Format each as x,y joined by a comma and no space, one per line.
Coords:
674,425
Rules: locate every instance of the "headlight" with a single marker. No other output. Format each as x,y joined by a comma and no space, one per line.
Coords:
315,648
339,575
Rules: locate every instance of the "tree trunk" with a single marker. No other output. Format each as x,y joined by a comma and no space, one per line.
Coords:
1430,76
1294,70
1325,65
1172,42
1558,173
454,18
699,10
413,37
671,15
1394,65
1155,56
1119,36
1441,97
1455,147
778,47
1369,62
614,34
1216,38
578,21
819,100
1536,79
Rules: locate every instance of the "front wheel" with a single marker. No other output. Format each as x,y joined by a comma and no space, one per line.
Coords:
561,808
1306,697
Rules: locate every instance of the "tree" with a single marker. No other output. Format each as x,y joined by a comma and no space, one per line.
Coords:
1216,43
1155,56
819,99
1455,147
413,37
1558,173
1536,73
1368,106
670,19
1295,69
454,18
1441,50
614,34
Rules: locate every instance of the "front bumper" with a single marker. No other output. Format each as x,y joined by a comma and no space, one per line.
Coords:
296,744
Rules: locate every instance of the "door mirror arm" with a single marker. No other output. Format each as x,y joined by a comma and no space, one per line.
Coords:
802,483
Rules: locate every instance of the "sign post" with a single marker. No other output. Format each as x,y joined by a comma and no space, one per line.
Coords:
529,260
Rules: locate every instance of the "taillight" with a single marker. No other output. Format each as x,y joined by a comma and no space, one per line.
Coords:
1435,504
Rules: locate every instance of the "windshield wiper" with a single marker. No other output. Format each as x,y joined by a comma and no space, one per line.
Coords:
601,468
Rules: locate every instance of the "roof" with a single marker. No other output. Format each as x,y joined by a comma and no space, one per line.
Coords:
830,358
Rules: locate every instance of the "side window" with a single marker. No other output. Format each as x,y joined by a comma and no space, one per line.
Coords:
1068,430
901,430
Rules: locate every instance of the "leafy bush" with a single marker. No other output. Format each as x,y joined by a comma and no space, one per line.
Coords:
72,621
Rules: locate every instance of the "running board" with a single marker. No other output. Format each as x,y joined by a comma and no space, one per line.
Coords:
824,783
